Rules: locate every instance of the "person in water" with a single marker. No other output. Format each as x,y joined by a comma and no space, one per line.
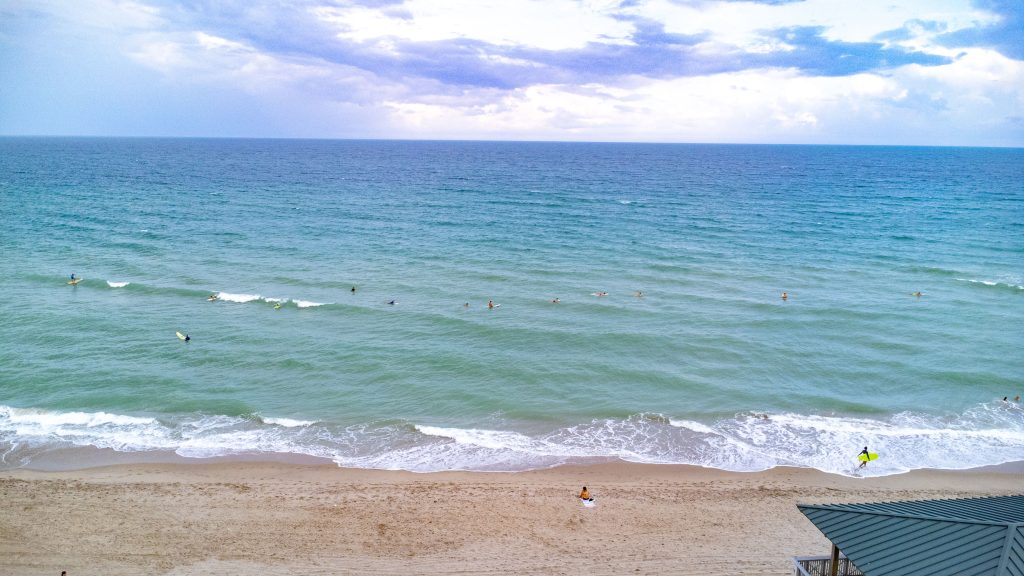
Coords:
72,276
187,338
392,302
212,297
785,296
585,495
864,453
490,303
353,289
556,301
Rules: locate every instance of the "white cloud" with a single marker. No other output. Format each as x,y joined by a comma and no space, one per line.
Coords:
740,23
544,24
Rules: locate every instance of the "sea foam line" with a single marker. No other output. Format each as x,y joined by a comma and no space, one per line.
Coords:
986,434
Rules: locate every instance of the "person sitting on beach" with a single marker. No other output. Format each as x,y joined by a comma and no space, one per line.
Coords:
864,453
585,495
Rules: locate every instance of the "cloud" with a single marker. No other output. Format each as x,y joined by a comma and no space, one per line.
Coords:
1004,34
665,70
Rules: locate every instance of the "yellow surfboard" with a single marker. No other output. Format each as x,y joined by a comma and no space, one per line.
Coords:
75,281
180,335
868,456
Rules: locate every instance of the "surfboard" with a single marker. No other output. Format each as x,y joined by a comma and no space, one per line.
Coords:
180,335
588,503
868,456
75,281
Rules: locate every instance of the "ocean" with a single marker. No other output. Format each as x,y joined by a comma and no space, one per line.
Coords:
670,341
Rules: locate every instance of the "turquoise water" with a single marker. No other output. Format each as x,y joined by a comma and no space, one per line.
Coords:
684,373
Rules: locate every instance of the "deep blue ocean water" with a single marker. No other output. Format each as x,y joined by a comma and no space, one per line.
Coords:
691,357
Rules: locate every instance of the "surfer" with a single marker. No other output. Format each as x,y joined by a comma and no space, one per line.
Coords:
353,289
187,338
785,296
639,294
490,303
556,301
392,303
72,276
585,495
864,453
212,297
918,294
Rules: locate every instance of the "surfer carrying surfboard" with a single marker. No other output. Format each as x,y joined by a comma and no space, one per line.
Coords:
864,461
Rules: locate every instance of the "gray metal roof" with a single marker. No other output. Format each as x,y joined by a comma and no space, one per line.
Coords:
967,537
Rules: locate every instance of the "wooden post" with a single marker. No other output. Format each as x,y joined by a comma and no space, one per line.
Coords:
834,566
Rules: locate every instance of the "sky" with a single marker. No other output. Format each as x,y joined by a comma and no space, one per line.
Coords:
903,72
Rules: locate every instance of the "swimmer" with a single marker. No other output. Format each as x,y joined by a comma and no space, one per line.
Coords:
1016,398
466,305
599,294
490,303
785,296
353,289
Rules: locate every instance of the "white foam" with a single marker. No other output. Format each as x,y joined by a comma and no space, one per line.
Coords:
1008,284
986,434
240,298
307,304
493,439
117,284
288,422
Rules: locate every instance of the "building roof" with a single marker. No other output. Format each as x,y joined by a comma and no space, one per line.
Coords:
965,537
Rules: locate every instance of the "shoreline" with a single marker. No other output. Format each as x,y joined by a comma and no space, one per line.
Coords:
81,458
301,518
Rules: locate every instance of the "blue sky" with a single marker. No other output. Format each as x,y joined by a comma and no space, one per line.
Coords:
942,72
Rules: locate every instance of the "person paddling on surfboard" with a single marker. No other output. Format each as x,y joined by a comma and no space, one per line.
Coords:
864,453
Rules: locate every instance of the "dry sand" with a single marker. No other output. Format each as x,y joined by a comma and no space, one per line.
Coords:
274,518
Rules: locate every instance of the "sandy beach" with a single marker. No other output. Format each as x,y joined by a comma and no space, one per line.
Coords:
279,518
